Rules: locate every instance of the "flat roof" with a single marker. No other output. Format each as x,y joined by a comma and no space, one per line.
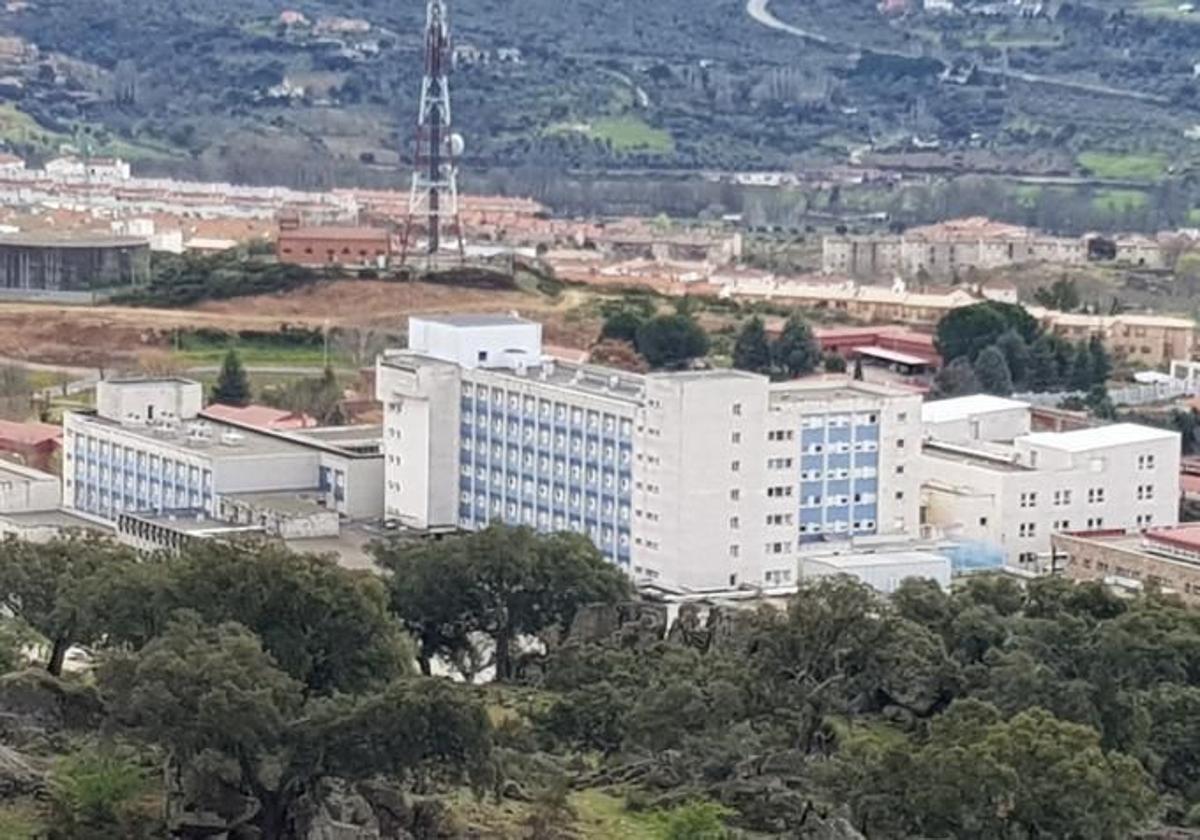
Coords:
294,504
891,356
250,443
861,560
67,239
1099,437
336,232
52,519
340,435
468,319
197,524
960,408
976,454
1186,537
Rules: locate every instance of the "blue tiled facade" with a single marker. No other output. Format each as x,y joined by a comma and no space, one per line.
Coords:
548,464
839,475
109,479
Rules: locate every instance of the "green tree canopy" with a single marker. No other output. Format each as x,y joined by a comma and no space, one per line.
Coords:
966,331
501,582
233,386
51,587
796,351
957,379
671,341
992,372
227,715
752,351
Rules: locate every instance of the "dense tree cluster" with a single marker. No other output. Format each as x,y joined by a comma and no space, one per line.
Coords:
190,278
794,352
263,680
999,348
671,340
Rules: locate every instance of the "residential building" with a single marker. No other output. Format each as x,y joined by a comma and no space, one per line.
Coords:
364,247
989,479
1148,340
1168,558
147,450
700,479
32,444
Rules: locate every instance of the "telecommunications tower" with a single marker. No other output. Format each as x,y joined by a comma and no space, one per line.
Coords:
434,194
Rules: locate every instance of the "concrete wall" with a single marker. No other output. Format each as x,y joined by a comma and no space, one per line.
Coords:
885,575
268,473
24,490
141,401
1096,560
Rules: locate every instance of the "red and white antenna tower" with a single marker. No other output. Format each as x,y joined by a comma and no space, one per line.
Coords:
434,194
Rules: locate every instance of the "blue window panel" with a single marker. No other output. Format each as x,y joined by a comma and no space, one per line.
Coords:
812,488
839,435
837,488
862,512
812,462
837,514
808,436
866,485
811,538
866,459
839,462
810,515
866,433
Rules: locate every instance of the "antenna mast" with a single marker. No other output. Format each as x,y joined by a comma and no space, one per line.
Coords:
434,193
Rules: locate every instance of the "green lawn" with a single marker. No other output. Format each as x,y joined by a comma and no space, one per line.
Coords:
625,133
1119,201
1124,167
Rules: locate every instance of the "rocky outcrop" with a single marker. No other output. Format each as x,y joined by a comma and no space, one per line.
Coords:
36,708
18,775
634,623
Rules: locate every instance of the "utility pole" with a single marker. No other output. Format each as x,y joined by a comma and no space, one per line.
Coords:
434,192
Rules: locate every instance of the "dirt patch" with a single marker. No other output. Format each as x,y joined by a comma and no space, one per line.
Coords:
110,336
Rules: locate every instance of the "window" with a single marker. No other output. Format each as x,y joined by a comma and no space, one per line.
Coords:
735,550
737,409
1062,525
736,466
900,469
1145,492
902,417
1095,523
1029,500
1095,495
736,437
1027,530
983,521
1144,519
735,523
1145,462
900,443
1027,557
1062,498
735,495
899,495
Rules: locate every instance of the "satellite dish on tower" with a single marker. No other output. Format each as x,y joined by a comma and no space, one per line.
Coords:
455,145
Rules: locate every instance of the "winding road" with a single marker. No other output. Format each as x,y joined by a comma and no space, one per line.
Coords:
761,12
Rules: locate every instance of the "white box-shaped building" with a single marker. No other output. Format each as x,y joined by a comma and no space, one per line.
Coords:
883,572
471,341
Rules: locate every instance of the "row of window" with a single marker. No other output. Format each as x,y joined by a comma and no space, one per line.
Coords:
544,409
591,477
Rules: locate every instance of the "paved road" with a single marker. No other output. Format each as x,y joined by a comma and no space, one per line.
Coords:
761,12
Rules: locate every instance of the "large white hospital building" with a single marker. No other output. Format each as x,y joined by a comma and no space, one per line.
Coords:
701,479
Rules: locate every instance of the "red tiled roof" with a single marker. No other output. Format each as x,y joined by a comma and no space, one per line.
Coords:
29,434
332,232
262,416
1186,537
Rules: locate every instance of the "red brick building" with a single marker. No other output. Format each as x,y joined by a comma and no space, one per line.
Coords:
31,444
349,247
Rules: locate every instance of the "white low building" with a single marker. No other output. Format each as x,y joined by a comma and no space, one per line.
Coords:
25,490
987,478
883,571
147,451
698,479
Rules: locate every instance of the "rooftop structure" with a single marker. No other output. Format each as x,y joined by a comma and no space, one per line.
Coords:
697,479
883,571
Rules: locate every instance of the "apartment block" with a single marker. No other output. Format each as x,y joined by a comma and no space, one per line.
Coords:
987,478
1168,558
148,451
699,479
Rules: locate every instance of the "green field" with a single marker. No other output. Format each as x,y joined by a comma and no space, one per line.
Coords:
1124,167
1119,201
625,134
